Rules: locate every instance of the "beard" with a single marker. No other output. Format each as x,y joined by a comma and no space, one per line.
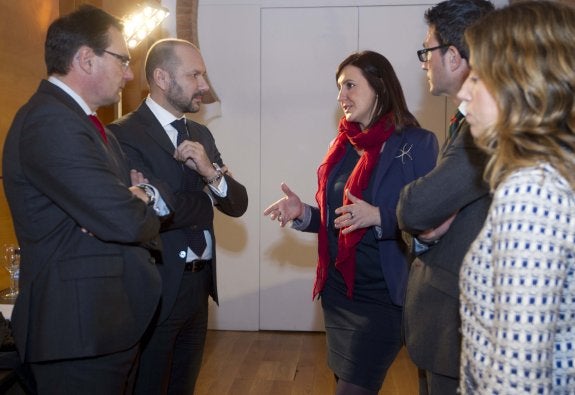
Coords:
176,97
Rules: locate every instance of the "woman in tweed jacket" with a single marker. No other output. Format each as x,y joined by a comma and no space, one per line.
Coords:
517,281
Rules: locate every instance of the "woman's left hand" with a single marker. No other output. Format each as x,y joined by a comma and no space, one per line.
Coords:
359,214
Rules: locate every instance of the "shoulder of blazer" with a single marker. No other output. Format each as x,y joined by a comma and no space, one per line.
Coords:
465,137
403,141
203,130
48,92
138,123
465,147
140,116
193,124
415,134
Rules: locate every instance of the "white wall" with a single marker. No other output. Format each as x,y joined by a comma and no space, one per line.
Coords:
272,64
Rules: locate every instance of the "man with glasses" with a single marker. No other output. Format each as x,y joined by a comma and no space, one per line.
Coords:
124,59
88,286
444,210
423,54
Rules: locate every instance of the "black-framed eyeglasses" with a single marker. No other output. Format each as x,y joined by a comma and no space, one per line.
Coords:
125,60
423,54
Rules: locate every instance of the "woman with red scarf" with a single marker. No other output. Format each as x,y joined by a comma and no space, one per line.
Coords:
362,266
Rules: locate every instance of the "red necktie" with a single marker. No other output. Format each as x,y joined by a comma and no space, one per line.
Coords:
454,123
100,127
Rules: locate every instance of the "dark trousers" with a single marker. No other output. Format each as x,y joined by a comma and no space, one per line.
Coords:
436,384
172,355
107,374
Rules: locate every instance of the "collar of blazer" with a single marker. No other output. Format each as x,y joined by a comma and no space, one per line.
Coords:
49,88
156,131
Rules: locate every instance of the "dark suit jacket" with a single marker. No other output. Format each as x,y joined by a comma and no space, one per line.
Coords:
431,316
81,295
150,151
408,154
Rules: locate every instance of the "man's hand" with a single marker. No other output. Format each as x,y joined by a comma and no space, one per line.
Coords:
140,194
194,156
431,235
137,177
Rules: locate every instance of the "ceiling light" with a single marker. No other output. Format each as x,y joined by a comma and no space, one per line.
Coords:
139,24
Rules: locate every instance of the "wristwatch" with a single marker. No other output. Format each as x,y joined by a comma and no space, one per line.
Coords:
217,177
149,193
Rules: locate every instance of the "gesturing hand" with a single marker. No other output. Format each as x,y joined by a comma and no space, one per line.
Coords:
287,208
359,214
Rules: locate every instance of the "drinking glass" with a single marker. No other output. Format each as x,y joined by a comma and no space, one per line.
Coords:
12,265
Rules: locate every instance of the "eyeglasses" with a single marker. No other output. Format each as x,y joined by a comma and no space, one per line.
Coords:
125,60
423,54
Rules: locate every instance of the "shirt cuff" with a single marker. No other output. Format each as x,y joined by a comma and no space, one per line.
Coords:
303,223
419,247
160,206
221,189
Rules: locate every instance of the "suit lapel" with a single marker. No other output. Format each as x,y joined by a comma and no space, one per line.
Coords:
118,159
112,153
159,135
388,155
157,132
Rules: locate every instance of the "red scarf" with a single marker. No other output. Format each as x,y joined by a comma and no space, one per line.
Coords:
370,141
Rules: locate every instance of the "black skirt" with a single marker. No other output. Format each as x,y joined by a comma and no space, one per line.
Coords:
363,334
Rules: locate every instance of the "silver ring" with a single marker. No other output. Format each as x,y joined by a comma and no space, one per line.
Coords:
351,214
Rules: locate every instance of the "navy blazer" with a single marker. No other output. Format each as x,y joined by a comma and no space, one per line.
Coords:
151,151
407,155
80,292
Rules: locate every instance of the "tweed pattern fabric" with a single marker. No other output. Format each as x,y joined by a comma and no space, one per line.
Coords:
517,287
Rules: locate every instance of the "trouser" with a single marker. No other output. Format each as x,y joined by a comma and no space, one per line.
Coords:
107,374
436,384
172,354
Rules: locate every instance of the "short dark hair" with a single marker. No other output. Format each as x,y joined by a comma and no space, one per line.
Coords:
88,26
380,75
450,18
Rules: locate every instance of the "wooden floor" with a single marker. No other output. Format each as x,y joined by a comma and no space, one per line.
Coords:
281,363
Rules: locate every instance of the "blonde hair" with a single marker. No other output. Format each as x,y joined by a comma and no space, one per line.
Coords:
525,55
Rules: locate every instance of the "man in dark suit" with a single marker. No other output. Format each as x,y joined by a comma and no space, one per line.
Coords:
443,210
181,155
88,289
